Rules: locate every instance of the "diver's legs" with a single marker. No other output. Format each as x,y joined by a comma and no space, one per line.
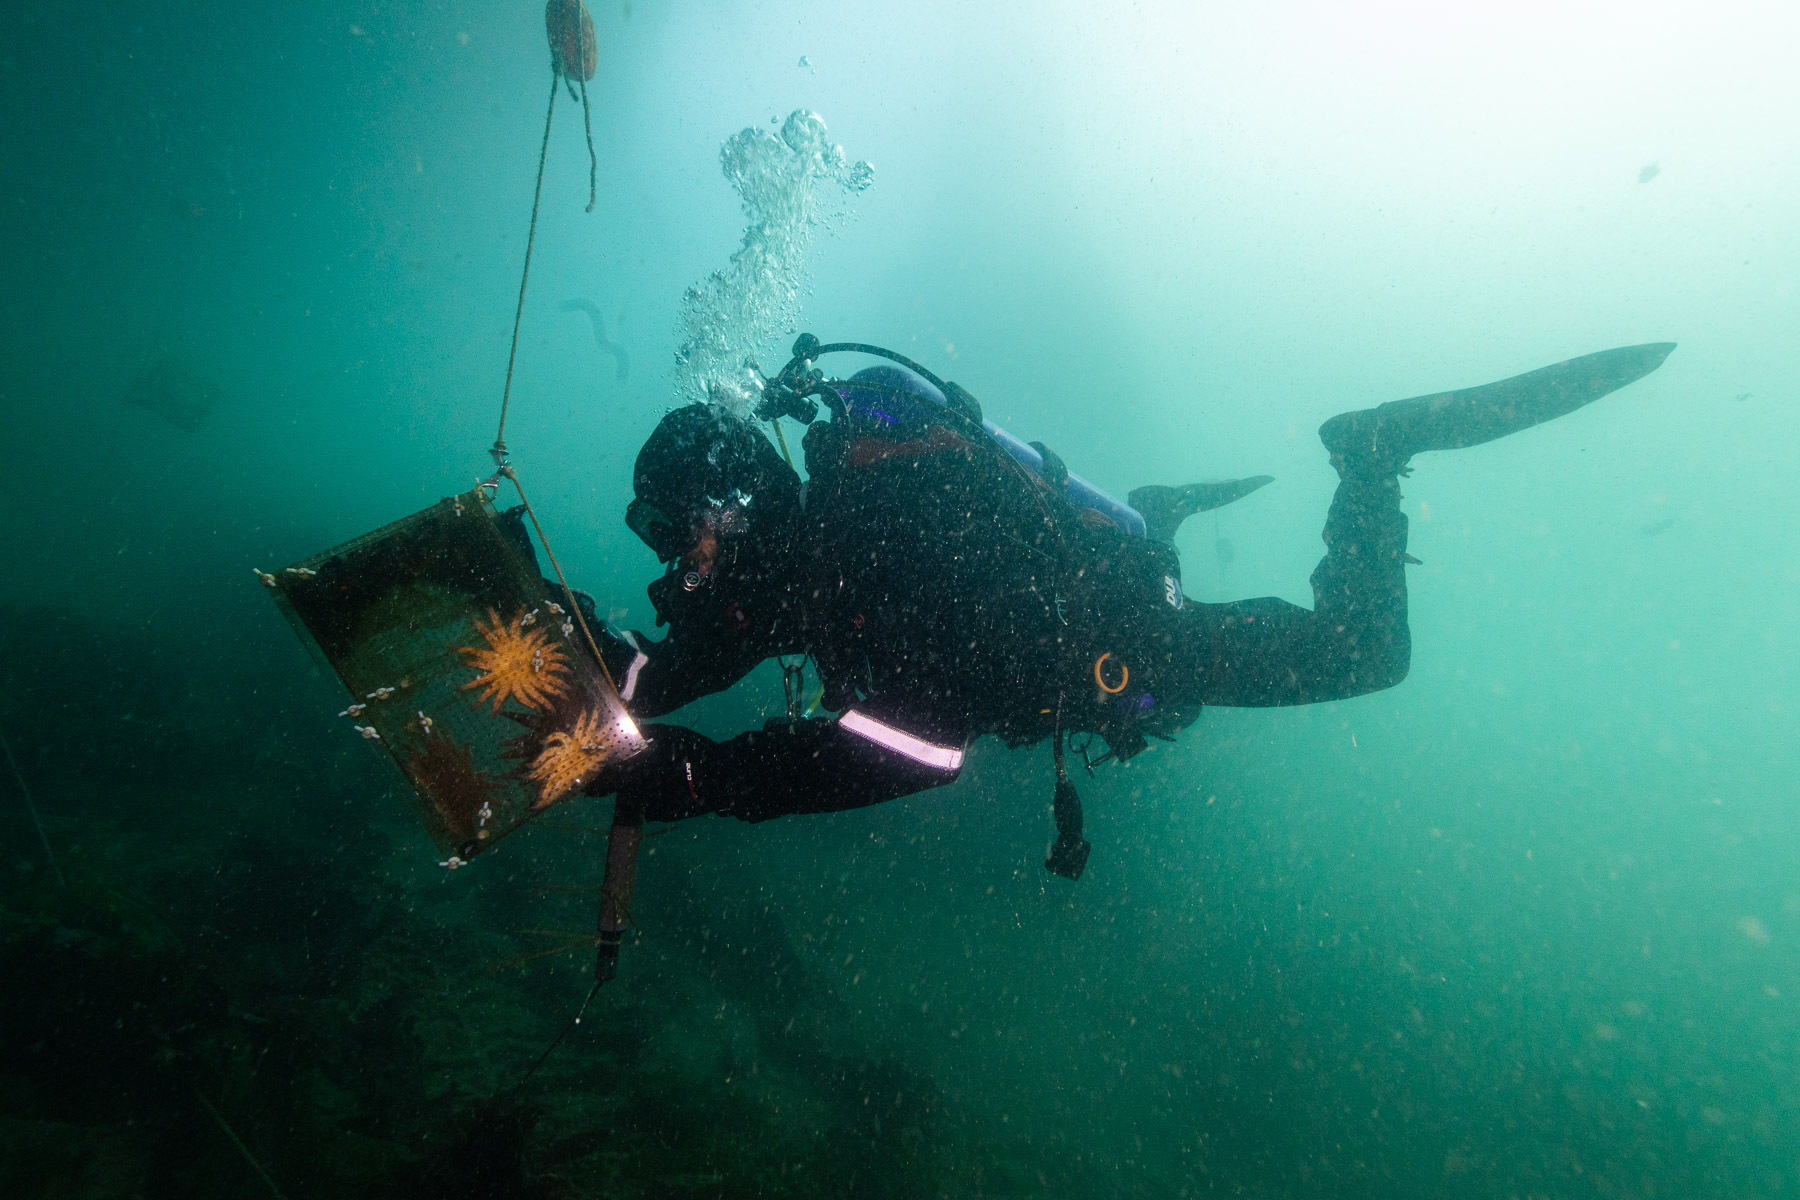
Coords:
1359,587
1355,640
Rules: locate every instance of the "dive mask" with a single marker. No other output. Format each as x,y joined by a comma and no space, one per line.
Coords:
657,529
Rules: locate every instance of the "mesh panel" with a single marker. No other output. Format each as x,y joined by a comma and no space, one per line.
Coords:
462,665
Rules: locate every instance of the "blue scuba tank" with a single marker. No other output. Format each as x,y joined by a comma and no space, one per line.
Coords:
889,408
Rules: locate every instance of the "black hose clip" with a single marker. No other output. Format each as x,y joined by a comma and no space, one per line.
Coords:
781,399
793,687
790,392
1068,854
1055,473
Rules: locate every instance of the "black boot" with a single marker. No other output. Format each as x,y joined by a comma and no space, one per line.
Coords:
1378,441
1165,508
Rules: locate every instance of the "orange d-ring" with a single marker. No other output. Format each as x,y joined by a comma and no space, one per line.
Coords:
1099,678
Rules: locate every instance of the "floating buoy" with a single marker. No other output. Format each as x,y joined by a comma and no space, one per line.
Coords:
574,54
574,57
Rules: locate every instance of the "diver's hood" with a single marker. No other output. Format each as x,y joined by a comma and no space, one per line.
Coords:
705,467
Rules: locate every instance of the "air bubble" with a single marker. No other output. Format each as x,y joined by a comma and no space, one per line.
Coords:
788,185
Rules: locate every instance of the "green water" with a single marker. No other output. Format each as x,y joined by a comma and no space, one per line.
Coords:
1526,926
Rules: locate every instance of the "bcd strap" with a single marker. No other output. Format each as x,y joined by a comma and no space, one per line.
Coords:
962,401
1069,853
1055,473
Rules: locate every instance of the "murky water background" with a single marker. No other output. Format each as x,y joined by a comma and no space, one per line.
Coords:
1528,925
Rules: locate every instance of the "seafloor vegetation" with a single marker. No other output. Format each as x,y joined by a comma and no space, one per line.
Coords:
1293,968
245,963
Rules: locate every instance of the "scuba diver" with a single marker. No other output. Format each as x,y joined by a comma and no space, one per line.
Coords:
947,581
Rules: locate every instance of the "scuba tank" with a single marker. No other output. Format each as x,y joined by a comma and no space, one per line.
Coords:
899,394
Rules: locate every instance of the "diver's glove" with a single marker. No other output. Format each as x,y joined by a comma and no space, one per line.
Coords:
659,779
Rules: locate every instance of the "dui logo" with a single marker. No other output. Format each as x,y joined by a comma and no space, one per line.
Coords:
1172,591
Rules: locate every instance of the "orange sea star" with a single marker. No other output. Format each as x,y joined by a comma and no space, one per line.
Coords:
518,664
568,758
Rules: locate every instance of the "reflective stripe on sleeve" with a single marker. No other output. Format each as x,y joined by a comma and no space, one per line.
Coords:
944,758
631,675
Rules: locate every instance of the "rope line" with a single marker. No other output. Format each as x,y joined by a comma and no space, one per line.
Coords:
587,126
560,578
31,807
503,467
499,451
239,1143
781,440
555,1041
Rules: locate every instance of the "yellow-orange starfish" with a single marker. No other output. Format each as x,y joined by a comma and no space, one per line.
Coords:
518,664
568,758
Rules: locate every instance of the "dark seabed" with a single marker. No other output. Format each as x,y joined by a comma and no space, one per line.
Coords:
1527,925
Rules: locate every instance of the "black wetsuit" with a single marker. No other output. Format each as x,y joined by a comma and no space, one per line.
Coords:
943,592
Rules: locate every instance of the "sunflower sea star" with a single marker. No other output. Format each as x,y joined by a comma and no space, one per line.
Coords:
517,664
568,758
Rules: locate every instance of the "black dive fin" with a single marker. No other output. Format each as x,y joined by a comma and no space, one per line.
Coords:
1394,432
1207,496
1165,508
